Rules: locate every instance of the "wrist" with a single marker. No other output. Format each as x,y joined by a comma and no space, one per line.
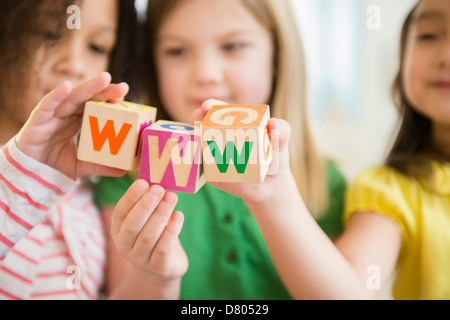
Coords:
284,208
284,190
150,287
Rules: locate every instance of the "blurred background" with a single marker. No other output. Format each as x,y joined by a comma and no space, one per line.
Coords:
352,59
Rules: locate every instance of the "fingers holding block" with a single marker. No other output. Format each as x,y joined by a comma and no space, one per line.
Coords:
111,133
236,144
172,157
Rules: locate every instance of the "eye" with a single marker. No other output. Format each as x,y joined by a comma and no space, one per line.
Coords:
233,46
50,35
49,38
98,49
176,52
427,36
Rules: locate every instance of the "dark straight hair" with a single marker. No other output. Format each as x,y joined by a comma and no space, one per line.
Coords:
413,141
127,53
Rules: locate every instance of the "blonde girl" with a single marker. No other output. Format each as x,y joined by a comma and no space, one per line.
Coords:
397,214
246,52
287,98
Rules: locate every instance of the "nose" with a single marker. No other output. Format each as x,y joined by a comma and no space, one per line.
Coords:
208,68
69,63
444,57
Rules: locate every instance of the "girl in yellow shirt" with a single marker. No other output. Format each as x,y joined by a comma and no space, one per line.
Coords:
398,215
411,194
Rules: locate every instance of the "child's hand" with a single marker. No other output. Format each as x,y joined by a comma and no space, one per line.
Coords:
49,136
145,231
279,171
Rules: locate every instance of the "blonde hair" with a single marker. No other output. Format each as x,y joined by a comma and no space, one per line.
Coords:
289,96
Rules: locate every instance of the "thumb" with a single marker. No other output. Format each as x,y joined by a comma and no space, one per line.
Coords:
48,105
280,133
208,104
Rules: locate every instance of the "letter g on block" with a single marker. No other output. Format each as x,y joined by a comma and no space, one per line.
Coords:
223,117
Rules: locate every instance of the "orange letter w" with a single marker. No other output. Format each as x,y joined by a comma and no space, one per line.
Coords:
108,133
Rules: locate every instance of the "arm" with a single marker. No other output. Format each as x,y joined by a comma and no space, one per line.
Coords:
49,135
309,264
38,166
145,257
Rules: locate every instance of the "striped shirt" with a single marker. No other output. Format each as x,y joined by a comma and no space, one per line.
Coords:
52,241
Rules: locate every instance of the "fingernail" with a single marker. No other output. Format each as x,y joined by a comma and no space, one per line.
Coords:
107,76
156,191
63,90
177,216
273,124
170,197
141,186
66,83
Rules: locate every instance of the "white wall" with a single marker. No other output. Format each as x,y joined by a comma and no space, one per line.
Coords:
356,137
141,6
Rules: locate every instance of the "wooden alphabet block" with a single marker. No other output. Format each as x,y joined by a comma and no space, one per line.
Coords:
236,144
111,133
171,156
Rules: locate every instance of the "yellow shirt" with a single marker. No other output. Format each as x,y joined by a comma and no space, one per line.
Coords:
422,210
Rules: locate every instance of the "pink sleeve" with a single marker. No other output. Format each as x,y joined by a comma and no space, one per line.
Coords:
27,190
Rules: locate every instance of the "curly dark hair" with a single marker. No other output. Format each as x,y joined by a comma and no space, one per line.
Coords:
25,26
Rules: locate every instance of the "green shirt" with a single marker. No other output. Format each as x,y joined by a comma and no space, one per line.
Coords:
228,258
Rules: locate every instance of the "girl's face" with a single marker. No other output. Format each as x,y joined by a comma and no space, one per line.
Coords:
426,75
77,56
212,49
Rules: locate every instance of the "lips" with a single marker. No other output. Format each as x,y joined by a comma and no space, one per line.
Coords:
442,84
